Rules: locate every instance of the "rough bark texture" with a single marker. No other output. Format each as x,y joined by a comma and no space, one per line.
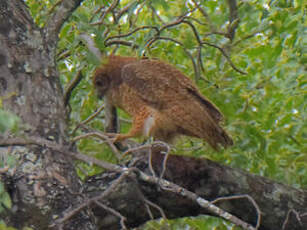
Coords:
209,180
44,184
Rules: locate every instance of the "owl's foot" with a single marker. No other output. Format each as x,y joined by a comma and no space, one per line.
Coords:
112,137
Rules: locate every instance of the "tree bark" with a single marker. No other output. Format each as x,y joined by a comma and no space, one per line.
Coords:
44,182
209,180
44,185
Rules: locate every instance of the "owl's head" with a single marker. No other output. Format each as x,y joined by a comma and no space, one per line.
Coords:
101,81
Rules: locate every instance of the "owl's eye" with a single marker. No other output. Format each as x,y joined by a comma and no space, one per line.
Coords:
99,83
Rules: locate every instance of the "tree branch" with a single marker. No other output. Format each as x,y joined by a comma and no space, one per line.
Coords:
185,180
210,181
233,18
71,86
58,17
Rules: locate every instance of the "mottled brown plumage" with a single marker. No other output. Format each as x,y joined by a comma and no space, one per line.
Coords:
162,101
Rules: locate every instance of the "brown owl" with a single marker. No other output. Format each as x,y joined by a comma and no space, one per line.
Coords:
162,101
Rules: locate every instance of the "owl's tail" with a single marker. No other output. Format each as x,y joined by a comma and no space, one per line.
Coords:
216,135
194,120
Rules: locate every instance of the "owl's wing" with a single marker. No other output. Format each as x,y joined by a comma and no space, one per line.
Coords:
158,83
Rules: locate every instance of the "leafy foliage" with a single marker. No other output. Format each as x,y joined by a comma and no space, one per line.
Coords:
4,227
8,123
265,109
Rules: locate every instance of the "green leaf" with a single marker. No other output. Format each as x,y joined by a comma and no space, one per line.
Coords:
6,200
8,121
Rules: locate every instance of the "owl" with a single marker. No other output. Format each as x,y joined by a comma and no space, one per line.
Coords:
161,100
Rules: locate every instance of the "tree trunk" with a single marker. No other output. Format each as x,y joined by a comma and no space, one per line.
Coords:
45,182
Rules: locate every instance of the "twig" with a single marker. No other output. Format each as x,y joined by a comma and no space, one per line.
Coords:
165,160
149,211
174,23
101,136
91,117
114,212
97,11
174,188
199,59
233,19
154,12
58,148
54,6
71,86
196,20
91,45
136,14
70,214
150,163
164,184
296,214
303,214
196,71
252,34
124,10
76,210
245,196
157,207
132,32
121,42
108,10
141,147
204,13
225,55
194,30
63,54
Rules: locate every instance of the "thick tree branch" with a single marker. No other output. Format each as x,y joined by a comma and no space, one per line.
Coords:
211,181
192,179
60,14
